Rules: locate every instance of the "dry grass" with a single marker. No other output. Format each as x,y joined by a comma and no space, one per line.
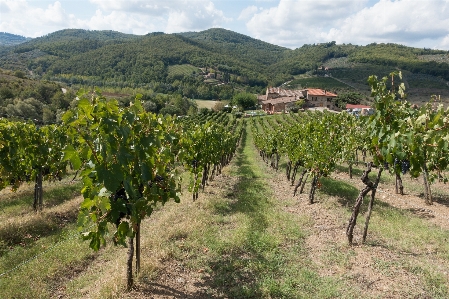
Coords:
208,104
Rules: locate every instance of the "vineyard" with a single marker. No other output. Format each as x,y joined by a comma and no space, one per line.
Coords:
399,138
318,82
128,160
270,207
182,69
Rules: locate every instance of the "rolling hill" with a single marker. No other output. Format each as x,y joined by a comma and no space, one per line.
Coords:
108,58
8,39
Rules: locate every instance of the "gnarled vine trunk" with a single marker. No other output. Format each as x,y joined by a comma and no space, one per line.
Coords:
299,181
313,188
427,191
288,170
370,186
398,185
303,184
38,192
295,170
370,205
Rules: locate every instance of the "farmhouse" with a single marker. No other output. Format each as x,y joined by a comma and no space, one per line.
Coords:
282,100
316,97
279,100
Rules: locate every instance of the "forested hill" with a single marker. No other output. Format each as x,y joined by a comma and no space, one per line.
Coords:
113,58
234,43
8,39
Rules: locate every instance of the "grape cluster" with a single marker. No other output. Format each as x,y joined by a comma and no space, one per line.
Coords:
405,165
194,163
158,178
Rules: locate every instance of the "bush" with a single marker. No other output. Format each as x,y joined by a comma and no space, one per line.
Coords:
19,74
219,106
244,100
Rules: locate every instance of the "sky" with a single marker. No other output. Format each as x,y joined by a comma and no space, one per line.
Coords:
287,23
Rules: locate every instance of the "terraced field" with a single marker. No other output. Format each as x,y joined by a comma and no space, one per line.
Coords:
182,69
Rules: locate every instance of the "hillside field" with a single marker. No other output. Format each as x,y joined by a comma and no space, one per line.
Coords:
208,104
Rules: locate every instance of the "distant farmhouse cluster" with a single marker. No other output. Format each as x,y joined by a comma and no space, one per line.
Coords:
282,100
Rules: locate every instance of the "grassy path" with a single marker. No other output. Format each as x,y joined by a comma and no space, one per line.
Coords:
236,241
262,253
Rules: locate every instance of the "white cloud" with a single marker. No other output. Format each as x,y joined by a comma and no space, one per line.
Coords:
404,22
20,18
412,22
140,17
295,22
136,6
54,14
26,18
169,16
290,23
444,43
248,12
118,21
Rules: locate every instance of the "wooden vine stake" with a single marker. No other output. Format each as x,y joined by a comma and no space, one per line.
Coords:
370,186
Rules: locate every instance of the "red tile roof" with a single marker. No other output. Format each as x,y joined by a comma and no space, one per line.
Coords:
320,92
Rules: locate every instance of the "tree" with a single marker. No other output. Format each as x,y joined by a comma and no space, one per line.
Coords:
170,110
19,74
48,115
244,100
6,93
219,106
348,98
149,106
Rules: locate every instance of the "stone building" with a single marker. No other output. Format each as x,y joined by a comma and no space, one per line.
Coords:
279,100
316,97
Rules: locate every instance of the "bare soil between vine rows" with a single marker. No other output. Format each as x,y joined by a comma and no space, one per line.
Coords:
358,266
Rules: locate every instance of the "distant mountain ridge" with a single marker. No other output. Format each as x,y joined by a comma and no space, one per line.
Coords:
110,58
8,39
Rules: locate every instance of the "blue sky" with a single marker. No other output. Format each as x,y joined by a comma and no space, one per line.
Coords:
288,23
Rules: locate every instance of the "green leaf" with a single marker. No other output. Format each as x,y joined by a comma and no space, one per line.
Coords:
110,177
84,104
146,172
70,154
123,231
95,242
104,204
